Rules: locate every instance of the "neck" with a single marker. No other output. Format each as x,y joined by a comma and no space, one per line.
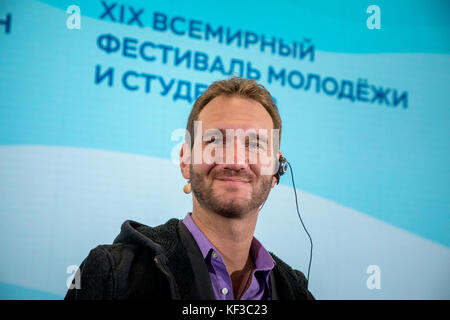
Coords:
232,237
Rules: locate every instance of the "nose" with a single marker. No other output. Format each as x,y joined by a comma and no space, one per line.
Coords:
236,155
236,168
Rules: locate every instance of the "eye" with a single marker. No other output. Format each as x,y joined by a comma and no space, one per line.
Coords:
215,141
253,145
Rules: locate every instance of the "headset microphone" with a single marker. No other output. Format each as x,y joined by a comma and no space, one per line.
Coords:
282,168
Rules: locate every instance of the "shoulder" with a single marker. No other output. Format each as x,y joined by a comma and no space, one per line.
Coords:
108,269
292,274
294,279
94,277
137,243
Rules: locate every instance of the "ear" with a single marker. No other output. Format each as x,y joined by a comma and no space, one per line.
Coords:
185,160
274,179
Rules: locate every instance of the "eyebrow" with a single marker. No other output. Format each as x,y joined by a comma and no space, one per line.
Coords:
261,138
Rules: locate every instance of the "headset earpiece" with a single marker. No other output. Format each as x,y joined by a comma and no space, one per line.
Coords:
282,168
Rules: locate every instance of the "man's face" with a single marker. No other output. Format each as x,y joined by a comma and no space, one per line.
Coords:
237,187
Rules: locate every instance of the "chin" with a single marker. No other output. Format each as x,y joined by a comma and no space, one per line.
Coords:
228,192
231,212
232,208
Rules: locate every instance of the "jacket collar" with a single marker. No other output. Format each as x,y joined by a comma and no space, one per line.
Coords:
159,239
174,246
173,242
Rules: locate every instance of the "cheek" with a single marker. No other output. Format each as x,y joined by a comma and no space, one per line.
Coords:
259,172
201,170
263,177
268,167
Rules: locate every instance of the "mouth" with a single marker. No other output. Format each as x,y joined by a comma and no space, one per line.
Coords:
233,181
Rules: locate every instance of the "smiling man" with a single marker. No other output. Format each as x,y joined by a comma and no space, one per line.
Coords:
231,166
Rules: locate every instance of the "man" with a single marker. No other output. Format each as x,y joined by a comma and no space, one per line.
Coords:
211,253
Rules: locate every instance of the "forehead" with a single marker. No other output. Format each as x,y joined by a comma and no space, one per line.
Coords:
235,113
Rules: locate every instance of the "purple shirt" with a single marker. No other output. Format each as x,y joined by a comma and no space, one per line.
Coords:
259,288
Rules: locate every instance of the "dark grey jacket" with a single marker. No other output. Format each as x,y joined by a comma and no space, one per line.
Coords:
163,262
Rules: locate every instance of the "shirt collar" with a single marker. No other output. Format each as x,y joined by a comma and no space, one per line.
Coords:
261,257
203,243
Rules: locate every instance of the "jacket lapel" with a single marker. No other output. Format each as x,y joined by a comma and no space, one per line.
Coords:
198,286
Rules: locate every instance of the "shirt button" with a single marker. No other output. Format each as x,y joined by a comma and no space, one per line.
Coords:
224,291
214,254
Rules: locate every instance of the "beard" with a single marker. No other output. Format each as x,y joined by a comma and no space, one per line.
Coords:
232,208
